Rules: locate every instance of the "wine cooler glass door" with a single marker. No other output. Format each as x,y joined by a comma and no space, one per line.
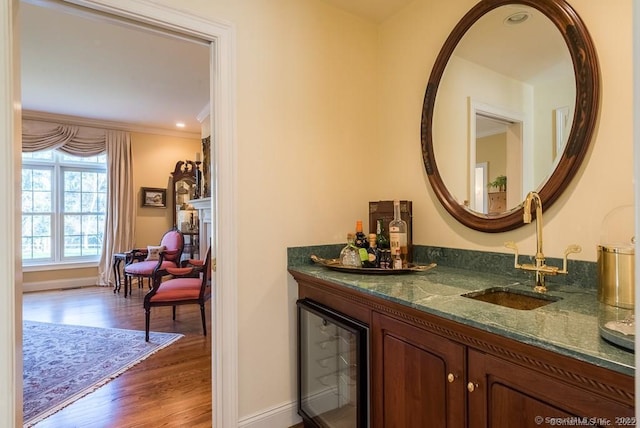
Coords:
333,354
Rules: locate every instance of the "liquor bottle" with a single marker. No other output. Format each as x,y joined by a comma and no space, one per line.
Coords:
381,237
398,238
361,242
350,256
361,239
373,253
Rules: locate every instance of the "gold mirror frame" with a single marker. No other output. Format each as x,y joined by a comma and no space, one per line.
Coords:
587,77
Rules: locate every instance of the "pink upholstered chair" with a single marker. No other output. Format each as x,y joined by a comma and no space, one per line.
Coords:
144,262
188,285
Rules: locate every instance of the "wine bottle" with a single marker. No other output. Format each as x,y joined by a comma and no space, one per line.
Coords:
350,256
373,253
381,237
398,238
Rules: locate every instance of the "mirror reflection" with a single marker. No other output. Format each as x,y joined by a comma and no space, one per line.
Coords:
503,109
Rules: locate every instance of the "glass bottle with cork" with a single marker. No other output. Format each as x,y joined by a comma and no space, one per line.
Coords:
398,238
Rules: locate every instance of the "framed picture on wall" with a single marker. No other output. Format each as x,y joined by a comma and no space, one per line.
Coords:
154,197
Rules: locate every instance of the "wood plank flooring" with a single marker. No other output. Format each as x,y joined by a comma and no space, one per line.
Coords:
171,388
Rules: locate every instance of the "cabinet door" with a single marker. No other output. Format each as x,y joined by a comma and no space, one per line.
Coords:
504,395
417,377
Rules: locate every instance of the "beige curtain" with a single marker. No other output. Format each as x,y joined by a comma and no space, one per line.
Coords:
119,232
71,139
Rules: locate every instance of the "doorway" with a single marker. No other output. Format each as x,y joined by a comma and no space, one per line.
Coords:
497,138
222,95
480,191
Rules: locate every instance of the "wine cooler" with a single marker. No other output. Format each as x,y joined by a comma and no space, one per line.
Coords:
333,376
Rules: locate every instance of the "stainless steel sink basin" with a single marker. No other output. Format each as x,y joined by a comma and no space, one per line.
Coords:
515,299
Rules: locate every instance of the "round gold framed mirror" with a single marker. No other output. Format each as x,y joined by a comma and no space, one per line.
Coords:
544,98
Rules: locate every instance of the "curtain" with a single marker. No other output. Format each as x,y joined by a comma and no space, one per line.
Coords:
119,232
71,139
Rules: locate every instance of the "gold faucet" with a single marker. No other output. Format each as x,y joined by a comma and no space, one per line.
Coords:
540,267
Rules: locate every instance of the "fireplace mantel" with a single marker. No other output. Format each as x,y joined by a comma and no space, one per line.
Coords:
203,205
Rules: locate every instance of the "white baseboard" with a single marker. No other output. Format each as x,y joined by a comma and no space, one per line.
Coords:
59,284
282,416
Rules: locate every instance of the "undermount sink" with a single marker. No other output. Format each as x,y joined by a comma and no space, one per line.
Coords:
515,299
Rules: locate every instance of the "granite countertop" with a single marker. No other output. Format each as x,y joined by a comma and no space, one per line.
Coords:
568,326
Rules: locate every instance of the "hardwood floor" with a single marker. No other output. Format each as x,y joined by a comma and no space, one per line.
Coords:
171,388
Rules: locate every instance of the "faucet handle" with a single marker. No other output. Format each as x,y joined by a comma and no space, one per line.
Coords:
512,245
573,248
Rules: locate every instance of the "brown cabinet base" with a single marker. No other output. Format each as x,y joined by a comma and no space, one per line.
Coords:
430,371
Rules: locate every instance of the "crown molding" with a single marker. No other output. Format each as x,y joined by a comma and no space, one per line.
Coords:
204,113
102,124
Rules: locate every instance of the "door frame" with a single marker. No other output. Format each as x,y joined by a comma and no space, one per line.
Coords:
518,149
222,36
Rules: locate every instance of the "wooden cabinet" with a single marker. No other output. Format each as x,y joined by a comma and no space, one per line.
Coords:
497,202
503,394
417,377
428,371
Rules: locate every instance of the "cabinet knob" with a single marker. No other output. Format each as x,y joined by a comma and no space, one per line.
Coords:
472,386
451,377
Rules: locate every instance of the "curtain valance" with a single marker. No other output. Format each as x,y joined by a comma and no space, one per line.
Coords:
71,139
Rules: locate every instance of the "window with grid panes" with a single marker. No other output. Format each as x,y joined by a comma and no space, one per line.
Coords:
63,207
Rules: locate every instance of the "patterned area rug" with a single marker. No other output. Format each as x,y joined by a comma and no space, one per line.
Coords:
63,363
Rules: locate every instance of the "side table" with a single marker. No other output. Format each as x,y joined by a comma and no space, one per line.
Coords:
118,258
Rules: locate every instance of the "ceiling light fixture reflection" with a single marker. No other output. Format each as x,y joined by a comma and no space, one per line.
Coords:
180,125
516,18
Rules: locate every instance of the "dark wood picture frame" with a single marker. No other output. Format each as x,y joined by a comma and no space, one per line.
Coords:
153,197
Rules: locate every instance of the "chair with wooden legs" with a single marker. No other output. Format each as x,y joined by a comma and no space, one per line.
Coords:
147,261
188,285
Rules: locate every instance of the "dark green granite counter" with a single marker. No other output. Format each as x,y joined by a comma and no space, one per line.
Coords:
568,326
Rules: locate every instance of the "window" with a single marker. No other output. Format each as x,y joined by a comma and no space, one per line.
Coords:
63,207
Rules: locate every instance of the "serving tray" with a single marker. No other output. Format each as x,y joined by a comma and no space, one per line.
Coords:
334,264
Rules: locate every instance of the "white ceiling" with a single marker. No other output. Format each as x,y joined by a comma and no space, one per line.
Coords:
79,65
528,52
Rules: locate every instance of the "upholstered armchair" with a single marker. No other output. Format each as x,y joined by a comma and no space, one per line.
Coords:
187,285
144,262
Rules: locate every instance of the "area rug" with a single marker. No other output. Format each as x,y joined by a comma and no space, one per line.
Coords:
62,363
